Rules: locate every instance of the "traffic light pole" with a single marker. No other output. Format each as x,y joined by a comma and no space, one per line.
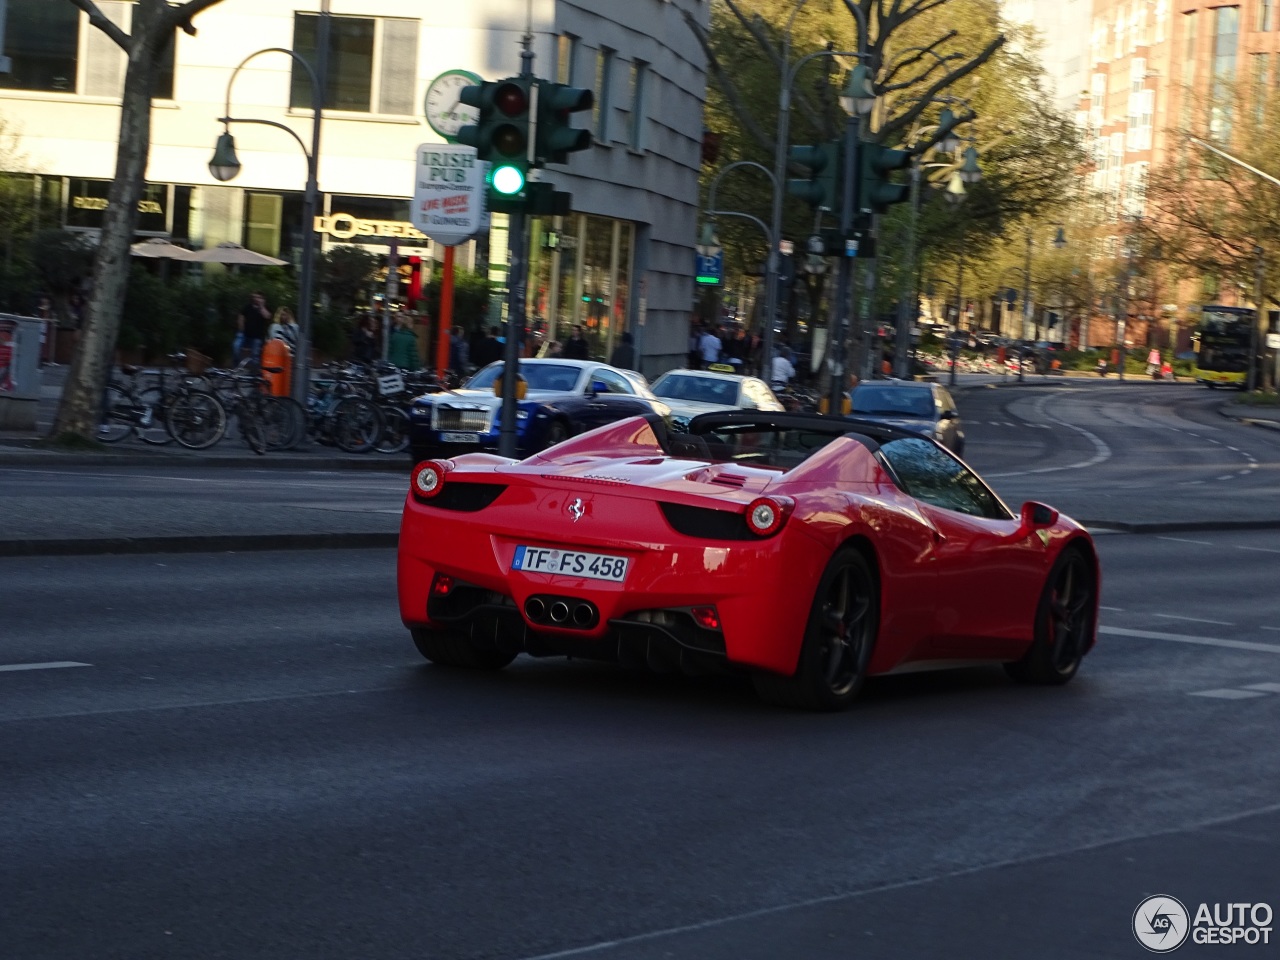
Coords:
839,350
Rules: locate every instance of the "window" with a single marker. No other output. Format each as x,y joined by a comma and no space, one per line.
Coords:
1162,20
639,75
614,382
1264,14
54,49
1226,37
604,70
373,64
566,48
930,474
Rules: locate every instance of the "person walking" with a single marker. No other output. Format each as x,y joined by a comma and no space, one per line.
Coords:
402,349
459,352
624,354
709,348
488,350
575,348
364,342
252,326
285,327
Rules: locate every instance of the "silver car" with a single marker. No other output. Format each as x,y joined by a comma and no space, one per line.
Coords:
691,392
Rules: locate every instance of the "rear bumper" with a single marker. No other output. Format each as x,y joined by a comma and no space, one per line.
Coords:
762,590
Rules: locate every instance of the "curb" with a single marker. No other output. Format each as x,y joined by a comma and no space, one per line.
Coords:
230,543
1179,526
1240,413
384,463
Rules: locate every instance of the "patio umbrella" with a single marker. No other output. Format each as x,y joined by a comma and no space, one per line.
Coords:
232,254
158,248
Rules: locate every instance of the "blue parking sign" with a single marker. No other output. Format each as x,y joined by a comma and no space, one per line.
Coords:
709,269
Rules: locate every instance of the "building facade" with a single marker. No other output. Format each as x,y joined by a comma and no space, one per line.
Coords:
621,261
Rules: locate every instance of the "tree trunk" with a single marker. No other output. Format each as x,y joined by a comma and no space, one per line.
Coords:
81,408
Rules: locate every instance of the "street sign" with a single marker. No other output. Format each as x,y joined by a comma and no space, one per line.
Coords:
709,269
448,197
851,248
1273,341
815,245
786,247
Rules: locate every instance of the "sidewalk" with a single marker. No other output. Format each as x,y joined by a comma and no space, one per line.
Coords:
21,448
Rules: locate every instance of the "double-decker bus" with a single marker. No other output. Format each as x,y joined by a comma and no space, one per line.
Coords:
1222,345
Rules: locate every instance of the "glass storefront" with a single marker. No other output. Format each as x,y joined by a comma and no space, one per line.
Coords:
580,273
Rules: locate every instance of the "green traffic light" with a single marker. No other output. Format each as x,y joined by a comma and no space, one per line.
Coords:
508,180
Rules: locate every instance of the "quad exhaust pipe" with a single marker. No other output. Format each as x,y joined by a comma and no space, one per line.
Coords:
567,612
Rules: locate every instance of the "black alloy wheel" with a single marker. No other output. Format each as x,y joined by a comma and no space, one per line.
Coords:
841,633
1065,620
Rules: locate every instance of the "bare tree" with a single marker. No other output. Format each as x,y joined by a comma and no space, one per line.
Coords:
155,24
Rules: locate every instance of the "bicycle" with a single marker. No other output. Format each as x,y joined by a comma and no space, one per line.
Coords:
128,409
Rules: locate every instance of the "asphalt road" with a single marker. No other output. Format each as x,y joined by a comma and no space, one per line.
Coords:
251,761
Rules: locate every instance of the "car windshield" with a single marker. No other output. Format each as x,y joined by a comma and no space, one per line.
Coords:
893,401
682,386
539,376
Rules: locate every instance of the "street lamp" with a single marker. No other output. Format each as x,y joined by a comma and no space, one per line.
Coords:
225,165
859,97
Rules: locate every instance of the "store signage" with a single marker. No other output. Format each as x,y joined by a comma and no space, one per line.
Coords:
448,195
343,226
100,203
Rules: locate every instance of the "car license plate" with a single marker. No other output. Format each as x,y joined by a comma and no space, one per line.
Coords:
570,563
459,438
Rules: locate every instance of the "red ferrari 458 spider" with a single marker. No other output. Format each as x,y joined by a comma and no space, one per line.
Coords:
807,551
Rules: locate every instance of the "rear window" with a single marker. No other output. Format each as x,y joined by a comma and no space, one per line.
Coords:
759,446
893,401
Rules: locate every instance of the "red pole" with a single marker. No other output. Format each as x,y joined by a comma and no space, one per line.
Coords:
446,314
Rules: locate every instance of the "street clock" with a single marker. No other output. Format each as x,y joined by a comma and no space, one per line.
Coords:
445,114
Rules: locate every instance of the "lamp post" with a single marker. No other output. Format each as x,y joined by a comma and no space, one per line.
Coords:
774,229
225,165
1259,317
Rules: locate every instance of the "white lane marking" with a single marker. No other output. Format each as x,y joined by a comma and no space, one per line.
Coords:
1230,447
1101,450
854,895
1172,616
51,665
1258,549
1229,476
1265,687
1112,609
1183,638
1198,543
1276,629
1227,694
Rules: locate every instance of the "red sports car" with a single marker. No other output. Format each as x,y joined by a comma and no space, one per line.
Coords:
807,551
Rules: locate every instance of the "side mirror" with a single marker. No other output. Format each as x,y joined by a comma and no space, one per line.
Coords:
949,415
597,386
1037,516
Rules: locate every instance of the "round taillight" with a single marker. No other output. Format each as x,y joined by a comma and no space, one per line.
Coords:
428,479
765,515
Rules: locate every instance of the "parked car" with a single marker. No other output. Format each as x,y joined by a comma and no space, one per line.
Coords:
562,398
805,551
691,392
924,408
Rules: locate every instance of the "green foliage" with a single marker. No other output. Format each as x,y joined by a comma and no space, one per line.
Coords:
471,292
344,274
62,260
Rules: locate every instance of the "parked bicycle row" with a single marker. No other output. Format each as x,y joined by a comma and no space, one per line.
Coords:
356,408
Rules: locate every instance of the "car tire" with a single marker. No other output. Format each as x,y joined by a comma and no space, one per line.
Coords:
1065,620
450,650
558,432
838,640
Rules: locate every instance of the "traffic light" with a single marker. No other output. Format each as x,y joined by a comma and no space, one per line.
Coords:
556,138
502,135
876,193
823,161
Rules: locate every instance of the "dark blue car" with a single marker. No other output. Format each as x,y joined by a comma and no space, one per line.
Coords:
562,398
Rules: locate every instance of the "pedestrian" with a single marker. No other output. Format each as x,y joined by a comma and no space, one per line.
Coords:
624,354
695,346
1153,364
709,348
575,348
783,369
252,327
285,327
364,342
459,352
489,350
402,349
1166,371
555,349
1102,366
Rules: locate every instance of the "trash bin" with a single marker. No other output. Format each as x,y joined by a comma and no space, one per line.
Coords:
19,371
276,354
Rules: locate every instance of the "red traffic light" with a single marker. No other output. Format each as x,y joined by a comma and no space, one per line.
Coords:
511,99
